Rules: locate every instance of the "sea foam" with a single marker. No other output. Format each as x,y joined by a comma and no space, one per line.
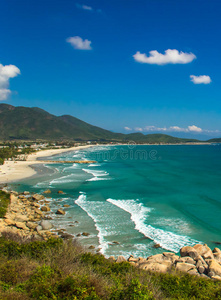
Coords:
139,214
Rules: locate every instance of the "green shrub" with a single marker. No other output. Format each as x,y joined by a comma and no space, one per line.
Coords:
4,202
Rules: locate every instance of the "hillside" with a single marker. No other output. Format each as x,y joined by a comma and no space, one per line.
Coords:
216,140
34,123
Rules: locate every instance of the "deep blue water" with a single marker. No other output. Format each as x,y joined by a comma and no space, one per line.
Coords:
138,196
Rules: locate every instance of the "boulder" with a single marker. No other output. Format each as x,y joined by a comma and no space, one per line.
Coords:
38,228
31,225
217,256
187,259
216,277
120,259
184,267
204,251
37,211
112,258
38,197
214,267
85,234
9,222
60,212
66,205
26,193
189,251
60,192
156,267
47,192
91,247
21,225
46,225
45,208
216,250
66,236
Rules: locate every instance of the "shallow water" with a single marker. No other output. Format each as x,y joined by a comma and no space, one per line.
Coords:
137,196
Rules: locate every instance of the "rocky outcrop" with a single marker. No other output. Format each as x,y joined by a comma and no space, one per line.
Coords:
198,260
24,217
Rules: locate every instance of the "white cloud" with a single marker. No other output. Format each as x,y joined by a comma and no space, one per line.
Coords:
138,129
85,7
190,129
194,128
205,79
171,56
127,128
7,72
78,43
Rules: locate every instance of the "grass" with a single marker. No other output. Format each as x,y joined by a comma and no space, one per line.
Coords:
57,269
4,202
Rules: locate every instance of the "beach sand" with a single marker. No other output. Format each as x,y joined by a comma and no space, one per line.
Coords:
17,170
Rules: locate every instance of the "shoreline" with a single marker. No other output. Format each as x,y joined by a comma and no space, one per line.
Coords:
13,171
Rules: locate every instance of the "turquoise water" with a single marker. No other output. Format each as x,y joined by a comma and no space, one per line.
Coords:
137,196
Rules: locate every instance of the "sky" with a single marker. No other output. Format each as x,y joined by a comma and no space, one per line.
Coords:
150,66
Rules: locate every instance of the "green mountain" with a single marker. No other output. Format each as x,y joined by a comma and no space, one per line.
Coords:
35,123
216,140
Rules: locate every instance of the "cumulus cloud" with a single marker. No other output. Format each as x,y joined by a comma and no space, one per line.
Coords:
7,72
78,43
202,79
171,56
127,128
190,129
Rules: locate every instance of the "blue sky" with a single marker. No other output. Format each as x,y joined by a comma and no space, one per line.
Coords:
91,59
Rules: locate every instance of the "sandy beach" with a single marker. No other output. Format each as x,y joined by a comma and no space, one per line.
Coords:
16,170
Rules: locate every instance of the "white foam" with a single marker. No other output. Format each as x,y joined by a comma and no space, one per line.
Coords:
64,179
139,213
94,165
105,217
98,175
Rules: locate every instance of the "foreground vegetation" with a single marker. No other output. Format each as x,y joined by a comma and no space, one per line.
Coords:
4,202
58,269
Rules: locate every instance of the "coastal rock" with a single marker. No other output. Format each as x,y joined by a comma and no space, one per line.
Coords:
38,228
66,205
156,267
47,192
216,250
189,251
21,218
204,251
91,247
31,225
60,212
21,225
66,236
120,259
45,208
26,193
38,197
60,192
46,225
9,222
216,277
112,258
37,211
187,259
214,267
184,267
85,234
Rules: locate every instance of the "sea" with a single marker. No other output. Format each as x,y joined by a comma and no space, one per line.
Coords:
135,199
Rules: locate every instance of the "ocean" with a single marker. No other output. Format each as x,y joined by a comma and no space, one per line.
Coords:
136,196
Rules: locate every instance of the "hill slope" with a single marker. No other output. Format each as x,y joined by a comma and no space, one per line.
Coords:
35,123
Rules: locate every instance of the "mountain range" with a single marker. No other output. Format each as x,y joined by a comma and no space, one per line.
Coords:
31,123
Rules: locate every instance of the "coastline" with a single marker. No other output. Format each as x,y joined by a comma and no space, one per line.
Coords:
13,171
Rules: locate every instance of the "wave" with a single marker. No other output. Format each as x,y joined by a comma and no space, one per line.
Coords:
166,239
64,179
98,175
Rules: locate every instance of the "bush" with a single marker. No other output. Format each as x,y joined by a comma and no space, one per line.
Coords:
4,202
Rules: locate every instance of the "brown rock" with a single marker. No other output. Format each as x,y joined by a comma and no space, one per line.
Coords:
9,222
216,250
204,251
66,205
216,277
120,259
156,267
85,234
184,267
31,225
91,247
38,197
189,251
47,192
187,259
156,246
214,267
60,212
112,258
21,225
60,192
37,211
45,208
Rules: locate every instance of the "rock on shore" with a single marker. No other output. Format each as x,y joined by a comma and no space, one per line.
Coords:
198,260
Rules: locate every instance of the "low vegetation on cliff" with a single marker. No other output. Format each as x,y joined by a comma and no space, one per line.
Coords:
57,269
